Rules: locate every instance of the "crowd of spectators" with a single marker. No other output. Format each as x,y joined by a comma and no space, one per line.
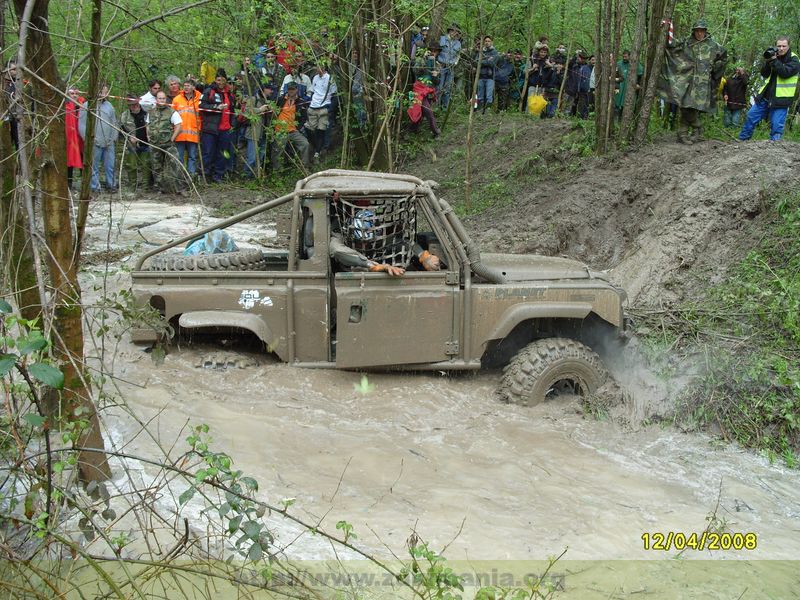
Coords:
280,111
276,112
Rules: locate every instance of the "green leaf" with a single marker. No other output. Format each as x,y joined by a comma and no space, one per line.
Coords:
186,496
32,344
255,552
5,307
35,420
47,375
364,387
233,524
252,529
158,355
250,483
7,362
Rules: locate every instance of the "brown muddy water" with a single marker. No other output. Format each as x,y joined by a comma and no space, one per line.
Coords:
430,452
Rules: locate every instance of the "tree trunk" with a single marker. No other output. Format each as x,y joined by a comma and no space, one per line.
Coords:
16,255
376,84
529,39
62,257
652,81
468,161
437,26
629,101
604,81
619,19
91,123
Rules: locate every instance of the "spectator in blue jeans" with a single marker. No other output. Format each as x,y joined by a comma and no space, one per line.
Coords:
734,92
258,113
448,58
216,106
488,58
781,69
105,139
187,105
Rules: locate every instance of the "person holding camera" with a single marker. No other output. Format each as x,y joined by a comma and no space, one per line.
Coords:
781,68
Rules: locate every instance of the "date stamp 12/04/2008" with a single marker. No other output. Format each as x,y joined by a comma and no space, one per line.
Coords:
706,540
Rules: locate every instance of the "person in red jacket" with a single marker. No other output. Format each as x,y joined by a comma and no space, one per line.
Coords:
74,140
423,94
217,112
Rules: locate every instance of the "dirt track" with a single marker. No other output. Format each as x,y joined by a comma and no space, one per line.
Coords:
665,220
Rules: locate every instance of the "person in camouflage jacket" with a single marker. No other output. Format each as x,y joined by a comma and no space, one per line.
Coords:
690,77
163,126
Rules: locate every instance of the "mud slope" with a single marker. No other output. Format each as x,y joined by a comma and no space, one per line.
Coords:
665,220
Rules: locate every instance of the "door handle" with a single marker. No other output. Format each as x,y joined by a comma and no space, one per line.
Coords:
356,312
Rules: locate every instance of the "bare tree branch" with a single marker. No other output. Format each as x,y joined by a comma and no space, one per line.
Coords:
138,25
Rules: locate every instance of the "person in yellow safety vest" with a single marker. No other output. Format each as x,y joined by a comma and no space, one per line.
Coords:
781,69
187,105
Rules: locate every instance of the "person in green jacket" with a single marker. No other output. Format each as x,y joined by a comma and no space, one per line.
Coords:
690,78
623,68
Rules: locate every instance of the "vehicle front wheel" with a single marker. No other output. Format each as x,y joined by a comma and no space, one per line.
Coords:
549,367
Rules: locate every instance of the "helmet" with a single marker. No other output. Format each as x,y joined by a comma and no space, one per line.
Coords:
363,225
700,24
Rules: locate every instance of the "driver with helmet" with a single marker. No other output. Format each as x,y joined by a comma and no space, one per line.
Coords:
362,226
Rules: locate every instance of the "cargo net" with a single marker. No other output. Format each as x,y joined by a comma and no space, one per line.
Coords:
382,229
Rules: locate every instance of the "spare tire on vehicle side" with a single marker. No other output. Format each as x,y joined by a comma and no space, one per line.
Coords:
241,260
548,365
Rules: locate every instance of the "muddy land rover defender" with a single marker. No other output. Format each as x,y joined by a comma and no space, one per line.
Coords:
539,316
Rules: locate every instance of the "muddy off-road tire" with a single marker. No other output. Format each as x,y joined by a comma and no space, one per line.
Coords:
543,366
241,260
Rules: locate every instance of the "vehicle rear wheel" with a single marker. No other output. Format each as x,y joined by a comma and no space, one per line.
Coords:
549,367
241,260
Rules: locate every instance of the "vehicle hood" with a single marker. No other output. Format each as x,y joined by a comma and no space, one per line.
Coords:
533,267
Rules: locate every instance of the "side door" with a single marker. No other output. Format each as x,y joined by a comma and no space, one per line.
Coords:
382,320
310,289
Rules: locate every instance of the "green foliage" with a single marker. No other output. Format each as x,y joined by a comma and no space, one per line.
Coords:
749,333
364,387
430,577
581,141
32,349
347,529
240,511
427,571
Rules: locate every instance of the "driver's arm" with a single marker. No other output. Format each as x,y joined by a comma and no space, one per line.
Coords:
347,257
429,262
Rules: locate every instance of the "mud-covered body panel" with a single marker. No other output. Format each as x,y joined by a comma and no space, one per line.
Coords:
531,267
312,313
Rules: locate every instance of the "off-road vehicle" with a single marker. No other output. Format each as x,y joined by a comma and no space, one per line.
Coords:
540,316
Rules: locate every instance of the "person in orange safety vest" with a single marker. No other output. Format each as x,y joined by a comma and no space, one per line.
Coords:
186,104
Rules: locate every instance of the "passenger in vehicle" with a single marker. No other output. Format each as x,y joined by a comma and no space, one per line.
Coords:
349,258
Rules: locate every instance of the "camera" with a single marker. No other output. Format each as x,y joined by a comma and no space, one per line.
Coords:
770,53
